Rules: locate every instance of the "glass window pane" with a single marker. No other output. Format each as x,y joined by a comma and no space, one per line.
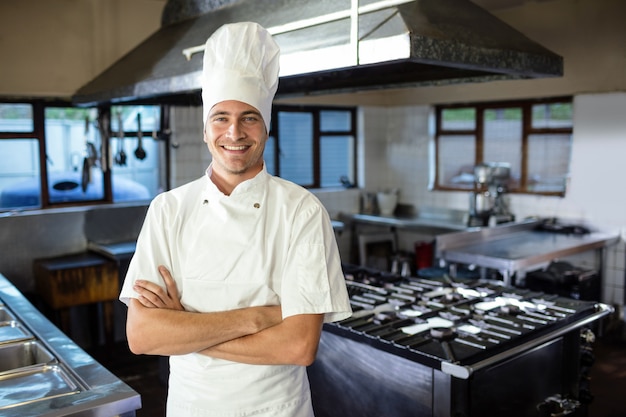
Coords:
335,121
458,119
134,178
150,118
552,115
548,162
456,161
73,155
503,139
336,160
20,184
268,155
296,147
16,117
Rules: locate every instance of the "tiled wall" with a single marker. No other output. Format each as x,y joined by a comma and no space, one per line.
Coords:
190,155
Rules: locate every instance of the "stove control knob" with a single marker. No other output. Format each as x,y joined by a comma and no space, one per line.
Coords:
587,336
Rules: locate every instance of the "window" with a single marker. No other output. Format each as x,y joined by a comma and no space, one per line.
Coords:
313,146
534,137
73,152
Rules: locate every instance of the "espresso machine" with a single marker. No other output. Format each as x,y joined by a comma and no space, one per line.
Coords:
488,203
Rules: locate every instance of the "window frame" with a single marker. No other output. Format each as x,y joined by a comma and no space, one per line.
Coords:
38,133
478,132
318,134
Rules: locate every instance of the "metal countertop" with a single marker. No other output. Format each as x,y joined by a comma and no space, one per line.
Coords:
517,246
411,223
101,394
115,251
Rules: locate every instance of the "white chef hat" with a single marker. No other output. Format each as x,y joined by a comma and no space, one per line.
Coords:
241,62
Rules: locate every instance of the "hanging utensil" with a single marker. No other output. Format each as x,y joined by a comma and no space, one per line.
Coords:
85,177
120,156
140,153
104,125
86,170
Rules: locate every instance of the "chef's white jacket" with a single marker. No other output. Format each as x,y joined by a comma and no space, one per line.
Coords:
270,242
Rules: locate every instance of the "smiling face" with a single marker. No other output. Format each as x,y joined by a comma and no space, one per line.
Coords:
235,135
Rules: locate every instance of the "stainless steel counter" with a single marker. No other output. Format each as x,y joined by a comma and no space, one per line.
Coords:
429,221
67,382
514,247
115,251
441,224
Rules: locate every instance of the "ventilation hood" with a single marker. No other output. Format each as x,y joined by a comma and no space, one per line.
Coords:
331,46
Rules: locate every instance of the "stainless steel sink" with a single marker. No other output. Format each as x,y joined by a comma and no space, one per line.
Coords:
20,355
29,372
13,331
34,384
44,373
5,315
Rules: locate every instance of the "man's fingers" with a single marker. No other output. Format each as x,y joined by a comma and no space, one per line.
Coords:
170,284
146,302
151,294
150,286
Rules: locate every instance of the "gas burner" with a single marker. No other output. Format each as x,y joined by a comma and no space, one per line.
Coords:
451,298
442,333
511,309
455,315
369,276
385,317
413,311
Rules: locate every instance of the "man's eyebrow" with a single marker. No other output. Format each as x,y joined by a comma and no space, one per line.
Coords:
219,113
249,112
227,113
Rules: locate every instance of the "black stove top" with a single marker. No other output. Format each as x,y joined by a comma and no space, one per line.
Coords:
442,321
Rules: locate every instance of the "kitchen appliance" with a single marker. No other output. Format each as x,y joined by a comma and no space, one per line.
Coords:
421,347
329,46
488,203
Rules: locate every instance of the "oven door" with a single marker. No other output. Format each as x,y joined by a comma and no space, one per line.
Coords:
353,379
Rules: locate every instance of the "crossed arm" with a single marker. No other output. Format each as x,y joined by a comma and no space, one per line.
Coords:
158,324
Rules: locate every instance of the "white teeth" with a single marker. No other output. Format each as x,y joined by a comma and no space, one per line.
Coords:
234,148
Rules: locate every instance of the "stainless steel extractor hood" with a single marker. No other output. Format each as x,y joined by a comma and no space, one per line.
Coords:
332,46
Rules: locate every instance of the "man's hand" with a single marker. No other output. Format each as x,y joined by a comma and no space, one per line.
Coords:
152,295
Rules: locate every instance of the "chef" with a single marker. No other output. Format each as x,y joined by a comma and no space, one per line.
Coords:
235,273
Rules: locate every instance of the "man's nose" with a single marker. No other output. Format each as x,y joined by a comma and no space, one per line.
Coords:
234,131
